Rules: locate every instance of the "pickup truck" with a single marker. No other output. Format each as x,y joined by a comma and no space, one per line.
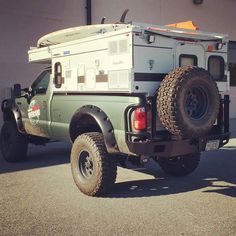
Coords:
145,92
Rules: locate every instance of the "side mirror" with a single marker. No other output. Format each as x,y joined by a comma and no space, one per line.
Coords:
26,90
17,91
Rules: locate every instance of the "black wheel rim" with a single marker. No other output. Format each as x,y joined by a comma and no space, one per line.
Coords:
85,165
174,160
196,103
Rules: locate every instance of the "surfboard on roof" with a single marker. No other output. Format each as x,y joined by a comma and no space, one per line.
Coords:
74,33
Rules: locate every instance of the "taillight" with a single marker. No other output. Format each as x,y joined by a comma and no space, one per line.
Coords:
140,120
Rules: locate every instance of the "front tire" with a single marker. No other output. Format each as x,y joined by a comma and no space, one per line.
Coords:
93,169
179,165
14,145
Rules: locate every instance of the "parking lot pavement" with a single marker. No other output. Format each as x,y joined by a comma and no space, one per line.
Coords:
38,197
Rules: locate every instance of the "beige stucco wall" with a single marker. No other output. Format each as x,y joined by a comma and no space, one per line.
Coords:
212,15
22,22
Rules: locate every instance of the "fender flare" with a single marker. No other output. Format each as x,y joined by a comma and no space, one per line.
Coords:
9,106
101,120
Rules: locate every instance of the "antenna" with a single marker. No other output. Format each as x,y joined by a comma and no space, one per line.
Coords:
103,20
122,19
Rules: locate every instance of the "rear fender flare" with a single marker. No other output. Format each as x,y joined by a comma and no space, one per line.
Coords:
102,121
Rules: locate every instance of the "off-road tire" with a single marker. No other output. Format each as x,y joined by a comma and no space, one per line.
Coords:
93,169
179,165
14,145
188,102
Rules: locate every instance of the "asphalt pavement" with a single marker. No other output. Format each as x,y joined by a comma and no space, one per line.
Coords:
38,197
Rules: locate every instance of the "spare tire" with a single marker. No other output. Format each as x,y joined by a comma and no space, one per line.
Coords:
188,102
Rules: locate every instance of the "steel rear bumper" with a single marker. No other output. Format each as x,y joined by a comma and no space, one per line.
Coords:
175,147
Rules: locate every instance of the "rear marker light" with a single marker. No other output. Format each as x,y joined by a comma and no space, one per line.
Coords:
140,118
210,48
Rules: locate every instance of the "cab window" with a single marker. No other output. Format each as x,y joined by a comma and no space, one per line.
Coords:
40,85
216,67
187,60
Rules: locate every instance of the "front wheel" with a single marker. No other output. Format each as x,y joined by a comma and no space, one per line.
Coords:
14,145
179,165
93,169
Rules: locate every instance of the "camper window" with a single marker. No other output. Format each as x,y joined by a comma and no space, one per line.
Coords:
216,67
187,60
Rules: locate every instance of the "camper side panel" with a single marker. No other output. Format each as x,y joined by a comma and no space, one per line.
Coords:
152,61
99,65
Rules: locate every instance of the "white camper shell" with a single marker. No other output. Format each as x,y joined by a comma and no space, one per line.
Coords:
128,58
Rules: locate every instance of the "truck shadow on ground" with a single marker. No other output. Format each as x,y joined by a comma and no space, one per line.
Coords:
39,156
216,174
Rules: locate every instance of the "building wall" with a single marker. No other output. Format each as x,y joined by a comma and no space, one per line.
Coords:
22,22
212,15
232,60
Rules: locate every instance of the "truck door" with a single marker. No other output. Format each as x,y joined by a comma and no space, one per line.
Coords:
189,54
35,109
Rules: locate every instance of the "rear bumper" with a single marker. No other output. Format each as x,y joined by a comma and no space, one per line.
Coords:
146,143
175,147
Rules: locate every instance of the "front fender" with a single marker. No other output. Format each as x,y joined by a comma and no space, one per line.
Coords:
11,111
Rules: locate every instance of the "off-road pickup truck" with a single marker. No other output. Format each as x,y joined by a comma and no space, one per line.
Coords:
123,91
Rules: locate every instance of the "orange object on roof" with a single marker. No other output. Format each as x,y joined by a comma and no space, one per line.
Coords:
184,25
